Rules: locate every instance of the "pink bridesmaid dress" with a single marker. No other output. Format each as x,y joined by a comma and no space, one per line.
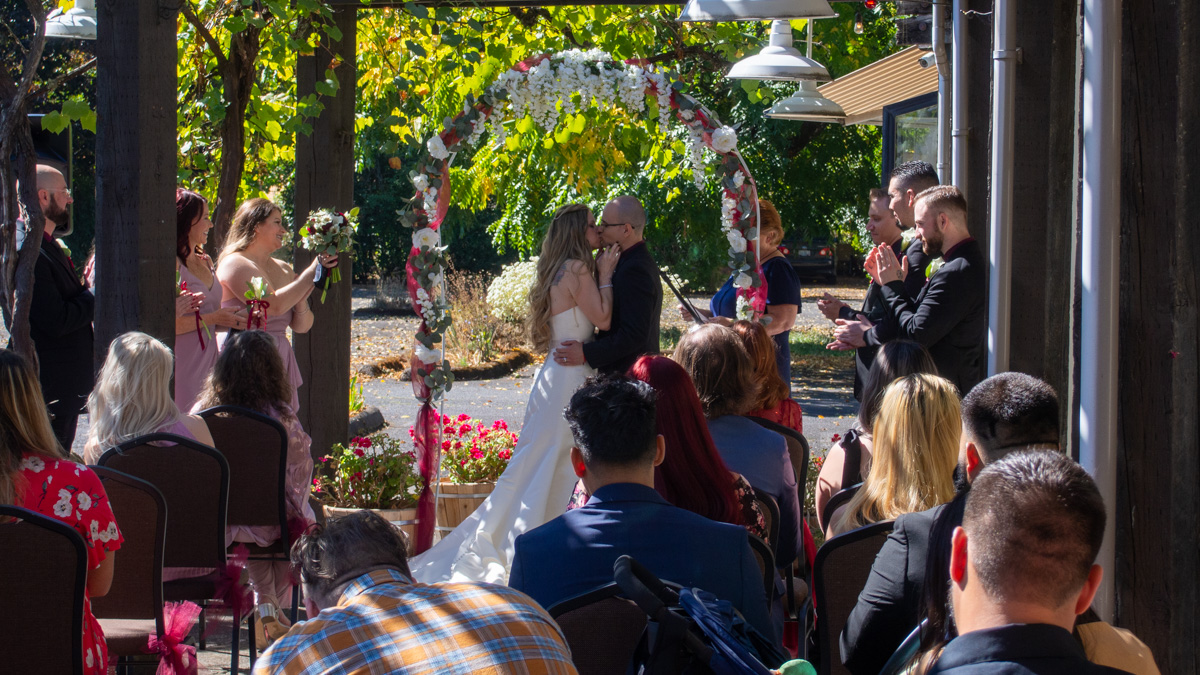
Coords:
193,364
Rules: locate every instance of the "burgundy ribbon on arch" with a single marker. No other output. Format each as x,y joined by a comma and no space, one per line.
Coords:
427,431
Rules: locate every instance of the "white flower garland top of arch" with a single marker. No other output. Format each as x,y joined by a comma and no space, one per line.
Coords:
544,88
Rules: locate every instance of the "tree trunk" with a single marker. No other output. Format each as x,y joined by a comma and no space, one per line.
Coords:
238,80
16,286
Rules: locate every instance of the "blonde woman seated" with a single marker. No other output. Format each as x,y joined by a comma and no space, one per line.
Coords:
849,460
133,397
916,450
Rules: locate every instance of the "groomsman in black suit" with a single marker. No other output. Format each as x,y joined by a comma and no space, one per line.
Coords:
884,227
637,296
949,316
60,315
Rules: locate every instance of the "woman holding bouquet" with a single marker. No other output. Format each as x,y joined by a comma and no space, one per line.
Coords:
195,351
256,233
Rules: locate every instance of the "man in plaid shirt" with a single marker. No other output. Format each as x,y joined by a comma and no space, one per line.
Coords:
374,619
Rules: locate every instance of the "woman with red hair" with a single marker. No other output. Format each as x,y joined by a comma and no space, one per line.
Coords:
774,402
692,475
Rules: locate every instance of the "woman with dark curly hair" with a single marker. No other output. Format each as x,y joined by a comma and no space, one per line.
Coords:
249,373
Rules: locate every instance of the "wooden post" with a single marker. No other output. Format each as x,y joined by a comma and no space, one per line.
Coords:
1158,462
135,171
325,179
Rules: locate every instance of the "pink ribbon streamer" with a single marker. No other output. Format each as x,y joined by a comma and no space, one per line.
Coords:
257,317
174,657
183,287
232,593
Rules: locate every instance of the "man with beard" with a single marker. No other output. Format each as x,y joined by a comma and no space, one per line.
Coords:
885,229
60,315
949,316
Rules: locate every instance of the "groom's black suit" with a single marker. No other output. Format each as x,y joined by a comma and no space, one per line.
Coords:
637,308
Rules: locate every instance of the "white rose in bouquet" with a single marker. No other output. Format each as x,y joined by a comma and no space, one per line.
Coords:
421,182
724,140
426,238
437,149
743,280
427,355
736,241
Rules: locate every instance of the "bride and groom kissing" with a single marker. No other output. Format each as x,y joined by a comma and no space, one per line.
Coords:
617,291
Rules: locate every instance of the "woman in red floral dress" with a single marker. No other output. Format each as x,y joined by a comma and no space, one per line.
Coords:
35,475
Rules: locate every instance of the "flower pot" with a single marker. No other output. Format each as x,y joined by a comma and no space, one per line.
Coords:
404,520
456,501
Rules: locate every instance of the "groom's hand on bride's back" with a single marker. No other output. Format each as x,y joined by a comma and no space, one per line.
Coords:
568,353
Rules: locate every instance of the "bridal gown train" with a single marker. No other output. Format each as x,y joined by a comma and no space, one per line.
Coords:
536,486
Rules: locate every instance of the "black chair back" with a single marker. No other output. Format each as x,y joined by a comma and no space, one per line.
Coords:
256,448
765,558
43,575
602,629
838,500
797,446
141,511
770,511
839,574
194,481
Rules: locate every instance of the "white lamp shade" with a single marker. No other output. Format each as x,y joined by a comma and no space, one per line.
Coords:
807,105
755,10
779,60
78,23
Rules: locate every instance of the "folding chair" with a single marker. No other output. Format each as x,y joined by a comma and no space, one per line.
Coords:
839,575
602,630
838,500
133,608
43,575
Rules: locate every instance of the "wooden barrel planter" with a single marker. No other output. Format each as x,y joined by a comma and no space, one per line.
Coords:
404,520
456,501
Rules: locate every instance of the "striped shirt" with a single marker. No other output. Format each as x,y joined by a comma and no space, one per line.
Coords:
385,623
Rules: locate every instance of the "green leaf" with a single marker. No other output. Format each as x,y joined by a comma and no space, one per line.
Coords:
235,24
55,122
333,32
419,11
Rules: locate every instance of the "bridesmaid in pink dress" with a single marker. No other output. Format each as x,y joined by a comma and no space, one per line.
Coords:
257,232
195,348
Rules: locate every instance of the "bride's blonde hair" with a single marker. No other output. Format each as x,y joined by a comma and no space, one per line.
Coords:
133,393
566,239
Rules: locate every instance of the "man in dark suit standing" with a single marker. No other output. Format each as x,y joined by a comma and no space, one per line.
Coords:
612,419
60,315
949,316
637,296
884,227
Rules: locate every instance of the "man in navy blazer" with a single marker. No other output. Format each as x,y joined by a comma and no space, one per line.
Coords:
616,450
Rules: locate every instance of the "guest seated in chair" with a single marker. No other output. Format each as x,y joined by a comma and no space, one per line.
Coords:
612,419
1022,568
774,401
724,377
249,373
916,449
133,397
35,474
367,615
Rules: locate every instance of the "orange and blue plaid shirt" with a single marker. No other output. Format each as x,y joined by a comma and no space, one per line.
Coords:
385,623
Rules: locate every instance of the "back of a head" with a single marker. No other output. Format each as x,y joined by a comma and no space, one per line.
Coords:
893,360
692,475
331,555
133,394
612,420
915,175
946,199
769,220
1009,412
761,349
24,424
720,367
1034,522
249,373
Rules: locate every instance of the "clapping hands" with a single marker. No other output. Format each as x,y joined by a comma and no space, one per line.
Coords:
850,334
830,306
883,266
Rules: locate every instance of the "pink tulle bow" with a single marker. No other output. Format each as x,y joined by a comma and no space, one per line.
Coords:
231,591
174,657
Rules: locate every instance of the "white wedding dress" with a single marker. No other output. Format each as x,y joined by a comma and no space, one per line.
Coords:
536,486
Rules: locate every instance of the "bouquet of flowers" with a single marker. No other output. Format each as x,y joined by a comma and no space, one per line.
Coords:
180,289
329,232
257,303
372,473
473,452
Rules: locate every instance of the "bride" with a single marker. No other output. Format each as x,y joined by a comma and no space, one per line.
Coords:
566,303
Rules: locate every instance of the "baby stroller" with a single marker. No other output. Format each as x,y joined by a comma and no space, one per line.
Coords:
691,631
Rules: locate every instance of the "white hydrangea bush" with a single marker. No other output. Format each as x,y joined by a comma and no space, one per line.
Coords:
508,294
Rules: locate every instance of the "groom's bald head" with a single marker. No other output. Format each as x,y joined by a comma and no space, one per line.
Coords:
626,209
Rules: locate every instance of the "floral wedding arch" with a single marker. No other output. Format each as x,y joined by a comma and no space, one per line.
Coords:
544,88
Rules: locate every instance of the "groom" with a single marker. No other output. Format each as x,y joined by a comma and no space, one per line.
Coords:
637,296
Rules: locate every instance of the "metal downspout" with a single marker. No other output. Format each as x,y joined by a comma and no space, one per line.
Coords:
944,84
958,56
1004,62
1101,269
